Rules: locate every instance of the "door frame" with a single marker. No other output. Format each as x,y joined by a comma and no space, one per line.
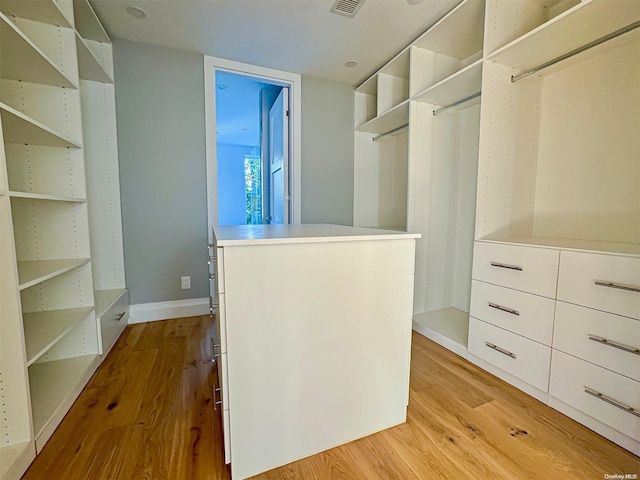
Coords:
291,80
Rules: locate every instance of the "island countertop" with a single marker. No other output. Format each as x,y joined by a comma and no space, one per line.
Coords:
238,235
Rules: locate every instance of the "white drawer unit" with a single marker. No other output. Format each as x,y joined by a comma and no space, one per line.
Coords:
114,321
514,354
221,325
529,269
219,263
608,397
222,392
605,282
602,338
523,313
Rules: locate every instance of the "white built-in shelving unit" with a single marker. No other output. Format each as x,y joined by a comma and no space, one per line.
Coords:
51,196
520,169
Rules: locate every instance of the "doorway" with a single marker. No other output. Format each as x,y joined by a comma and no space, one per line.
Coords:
253,147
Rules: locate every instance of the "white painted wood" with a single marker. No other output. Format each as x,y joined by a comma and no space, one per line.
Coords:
226,419
571,244
574,325
461,84
532,359
448,327
15,459
20,128
569,378
315,384
113,322
221,324
392,91
38,196
105,299
150,312
44,329
539,267
37,271
55,12
223,380
91,67
87,23
25,61
220,265
580,271
54,387
529,315
71,289
394,117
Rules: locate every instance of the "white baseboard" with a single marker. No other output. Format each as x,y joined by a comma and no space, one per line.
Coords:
150,312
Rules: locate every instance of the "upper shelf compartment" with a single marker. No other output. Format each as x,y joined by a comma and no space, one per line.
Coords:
395,118
23,60
87,23
393,83
46,11
20,128
571,30
366,101
90,67
454,43
460,85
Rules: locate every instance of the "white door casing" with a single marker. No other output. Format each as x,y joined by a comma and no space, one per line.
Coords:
279,200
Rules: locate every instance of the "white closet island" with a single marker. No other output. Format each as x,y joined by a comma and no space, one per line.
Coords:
314,337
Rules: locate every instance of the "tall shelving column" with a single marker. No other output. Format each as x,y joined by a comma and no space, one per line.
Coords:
51,317
95,57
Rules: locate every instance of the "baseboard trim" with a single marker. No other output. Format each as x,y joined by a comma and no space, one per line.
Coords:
151,312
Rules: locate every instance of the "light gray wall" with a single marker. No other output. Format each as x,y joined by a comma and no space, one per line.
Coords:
161,143
327,152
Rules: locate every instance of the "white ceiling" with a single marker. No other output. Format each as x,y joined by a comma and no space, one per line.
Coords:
300,36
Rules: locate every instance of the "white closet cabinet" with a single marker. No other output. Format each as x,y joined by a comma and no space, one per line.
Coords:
416,152
49,333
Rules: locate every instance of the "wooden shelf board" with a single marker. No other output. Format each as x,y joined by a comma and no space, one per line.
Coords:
398,66
458,34
23,60
369,87
45,11
43,330
51,383
570,30
460,85
10,454
105,299
20,128
394,118
90,68
594,246
87,23
448,327
33,272
38,196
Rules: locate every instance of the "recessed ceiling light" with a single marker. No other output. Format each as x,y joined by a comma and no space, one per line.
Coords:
136,12
414,2
222,87
350,63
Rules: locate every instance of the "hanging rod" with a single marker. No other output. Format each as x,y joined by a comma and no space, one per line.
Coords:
390,132
455,104
581,49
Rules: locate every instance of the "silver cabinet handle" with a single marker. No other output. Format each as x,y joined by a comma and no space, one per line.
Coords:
611,401
618,286
609,343
119,317
507,266
216,402
504,309
214,350
501,350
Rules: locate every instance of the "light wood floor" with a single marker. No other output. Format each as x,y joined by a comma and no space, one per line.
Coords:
147,414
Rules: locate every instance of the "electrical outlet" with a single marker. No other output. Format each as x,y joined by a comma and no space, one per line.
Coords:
186,283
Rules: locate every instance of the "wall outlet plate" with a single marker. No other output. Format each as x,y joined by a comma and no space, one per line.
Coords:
186,283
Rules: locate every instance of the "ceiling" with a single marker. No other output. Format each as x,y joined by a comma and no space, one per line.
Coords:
300,36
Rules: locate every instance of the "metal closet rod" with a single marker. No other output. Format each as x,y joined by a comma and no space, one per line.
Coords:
455,104
390,132
606,38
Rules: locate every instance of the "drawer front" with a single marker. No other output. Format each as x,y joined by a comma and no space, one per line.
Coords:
221,325
521,357
113,322
533,270
605,282
523,313
222,395
608,340
226,428
220,269
572,379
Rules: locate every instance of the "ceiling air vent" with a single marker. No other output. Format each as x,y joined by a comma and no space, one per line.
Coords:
348,8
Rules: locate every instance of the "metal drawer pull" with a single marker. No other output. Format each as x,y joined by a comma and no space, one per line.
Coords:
504,309
504,265
609,343
214,347
619,286
119,317
501,350
216,402
611,401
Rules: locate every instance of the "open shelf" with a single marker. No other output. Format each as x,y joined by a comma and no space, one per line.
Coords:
90,68
52,383
461,84
10,454
43,330
574,28
570,244
33,272
46,11
394,118
106,298
38,196
87,23
23,60
20,128
448,327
